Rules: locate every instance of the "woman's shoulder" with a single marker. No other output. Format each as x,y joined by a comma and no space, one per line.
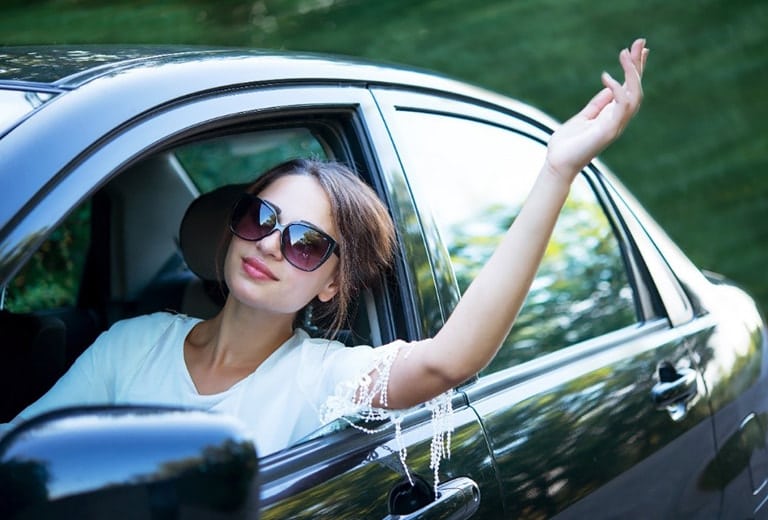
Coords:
325,348
338,361
142,329
155,319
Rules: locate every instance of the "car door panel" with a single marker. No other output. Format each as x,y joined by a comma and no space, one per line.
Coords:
334,476
731,359
587,433
733,362
576,425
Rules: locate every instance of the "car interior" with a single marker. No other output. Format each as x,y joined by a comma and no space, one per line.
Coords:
152,244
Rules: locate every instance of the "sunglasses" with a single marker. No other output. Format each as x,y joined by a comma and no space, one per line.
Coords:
302,244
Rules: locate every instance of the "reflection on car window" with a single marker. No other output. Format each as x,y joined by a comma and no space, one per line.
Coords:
239,158
51,278
475,177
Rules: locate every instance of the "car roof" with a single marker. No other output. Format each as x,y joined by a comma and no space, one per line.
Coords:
56,64
63,68
70,67
164,73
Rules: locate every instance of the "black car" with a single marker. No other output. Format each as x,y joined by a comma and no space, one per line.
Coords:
633,384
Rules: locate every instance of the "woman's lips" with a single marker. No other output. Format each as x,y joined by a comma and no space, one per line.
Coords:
257,269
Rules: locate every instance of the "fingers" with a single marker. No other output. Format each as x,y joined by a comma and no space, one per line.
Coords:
633,62
631,66
643,60
611,84
619,95
639,53
598,102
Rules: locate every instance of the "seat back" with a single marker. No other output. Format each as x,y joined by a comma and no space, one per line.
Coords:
203,234
203,239
33,349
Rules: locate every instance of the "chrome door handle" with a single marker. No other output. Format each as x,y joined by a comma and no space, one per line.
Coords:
682,388
674,394
456,499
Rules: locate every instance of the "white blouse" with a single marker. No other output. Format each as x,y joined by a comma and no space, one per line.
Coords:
304,384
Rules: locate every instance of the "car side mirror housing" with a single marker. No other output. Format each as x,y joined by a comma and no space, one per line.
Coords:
128,462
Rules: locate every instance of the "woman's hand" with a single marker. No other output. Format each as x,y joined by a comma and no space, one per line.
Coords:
602,120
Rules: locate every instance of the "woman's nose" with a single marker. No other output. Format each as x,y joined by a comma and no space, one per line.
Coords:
270,244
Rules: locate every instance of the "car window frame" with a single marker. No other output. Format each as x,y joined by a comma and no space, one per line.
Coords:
673,300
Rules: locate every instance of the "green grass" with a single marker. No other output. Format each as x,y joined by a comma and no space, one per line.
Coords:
695,156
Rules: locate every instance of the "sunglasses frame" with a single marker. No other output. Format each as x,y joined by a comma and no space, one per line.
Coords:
250,200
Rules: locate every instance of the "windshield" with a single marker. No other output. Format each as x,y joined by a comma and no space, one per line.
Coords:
15,104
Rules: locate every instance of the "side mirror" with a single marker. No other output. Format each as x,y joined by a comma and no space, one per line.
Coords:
128,462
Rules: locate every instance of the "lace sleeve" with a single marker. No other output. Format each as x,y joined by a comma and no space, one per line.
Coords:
353,400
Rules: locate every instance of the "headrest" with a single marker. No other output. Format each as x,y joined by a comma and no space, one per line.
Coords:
203,234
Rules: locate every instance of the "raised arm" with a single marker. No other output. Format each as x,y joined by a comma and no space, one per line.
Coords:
482,319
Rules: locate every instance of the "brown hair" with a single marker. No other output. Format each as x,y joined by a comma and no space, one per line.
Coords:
366,233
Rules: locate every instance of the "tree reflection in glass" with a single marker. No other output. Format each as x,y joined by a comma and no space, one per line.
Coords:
580,291
474,176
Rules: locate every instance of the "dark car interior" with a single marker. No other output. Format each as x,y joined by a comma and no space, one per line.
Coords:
131,249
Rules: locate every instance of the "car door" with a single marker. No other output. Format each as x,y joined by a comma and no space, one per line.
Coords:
338,472
594,405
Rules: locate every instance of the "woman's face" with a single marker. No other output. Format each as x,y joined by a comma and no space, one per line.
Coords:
258,275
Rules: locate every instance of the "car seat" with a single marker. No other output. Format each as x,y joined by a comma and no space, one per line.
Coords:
34,357
203,239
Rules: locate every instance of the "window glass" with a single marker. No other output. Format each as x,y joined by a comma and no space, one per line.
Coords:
51,278
237,159
474,178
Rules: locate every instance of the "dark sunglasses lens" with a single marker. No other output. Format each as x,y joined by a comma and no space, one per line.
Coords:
252,219
304,247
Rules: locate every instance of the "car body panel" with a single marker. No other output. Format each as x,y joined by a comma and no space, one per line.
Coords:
572,433
592,423
334,483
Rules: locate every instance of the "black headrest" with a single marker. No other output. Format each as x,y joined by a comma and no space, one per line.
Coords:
204,235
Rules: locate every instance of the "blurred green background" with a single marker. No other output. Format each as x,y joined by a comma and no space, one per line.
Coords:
696,155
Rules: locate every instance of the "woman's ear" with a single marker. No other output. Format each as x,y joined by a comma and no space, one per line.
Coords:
329,290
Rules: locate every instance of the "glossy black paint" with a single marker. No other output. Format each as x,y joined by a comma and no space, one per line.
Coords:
573,433
79,462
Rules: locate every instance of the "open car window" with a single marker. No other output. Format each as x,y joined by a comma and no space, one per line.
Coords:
117,255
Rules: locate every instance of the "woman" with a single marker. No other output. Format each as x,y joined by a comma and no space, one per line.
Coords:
312,232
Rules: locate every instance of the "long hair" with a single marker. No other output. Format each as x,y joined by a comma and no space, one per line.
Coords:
366,233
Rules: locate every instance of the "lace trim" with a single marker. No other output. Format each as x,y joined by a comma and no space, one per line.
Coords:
354,400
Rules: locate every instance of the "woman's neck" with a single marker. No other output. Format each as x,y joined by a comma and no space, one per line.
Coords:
228,347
